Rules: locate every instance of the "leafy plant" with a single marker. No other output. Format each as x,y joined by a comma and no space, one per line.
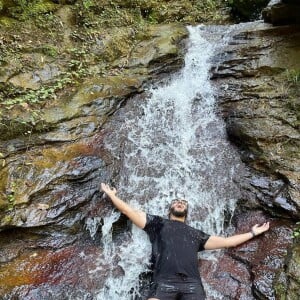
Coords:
11,196
24,9
296,232
39,95
50,50
87,4
293,76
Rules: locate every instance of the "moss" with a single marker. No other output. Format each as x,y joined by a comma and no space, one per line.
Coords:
20,123
50,50
3,204
280,291
117,45
293,76
24,10
7,21
109,30
6,220
125,13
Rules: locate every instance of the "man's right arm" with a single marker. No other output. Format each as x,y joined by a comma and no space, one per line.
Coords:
136,216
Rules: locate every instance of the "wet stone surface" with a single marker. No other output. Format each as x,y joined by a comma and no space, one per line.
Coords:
49,180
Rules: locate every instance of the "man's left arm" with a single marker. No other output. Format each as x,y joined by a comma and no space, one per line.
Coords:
218,242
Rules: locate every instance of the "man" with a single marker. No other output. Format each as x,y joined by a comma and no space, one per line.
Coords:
175,246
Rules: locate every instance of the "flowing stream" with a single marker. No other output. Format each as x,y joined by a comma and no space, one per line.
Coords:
174,146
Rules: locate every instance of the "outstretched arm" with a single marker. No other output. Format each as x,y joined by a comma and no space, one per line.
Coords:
136,216
217,242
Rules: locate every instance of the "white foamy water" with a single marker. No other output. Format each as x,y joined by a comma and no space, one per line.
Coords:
175,146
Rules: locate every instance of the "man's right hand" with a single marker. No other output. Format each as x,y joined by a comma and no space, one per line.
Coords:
107,190
136,216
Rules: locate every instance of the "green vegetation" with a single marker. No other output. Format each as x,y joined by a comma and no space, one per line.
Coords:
94,21
296,232
35,96
7,220
84,38
280,289
127,13
11,196
293,76
118,12
25,9
292,84
49,50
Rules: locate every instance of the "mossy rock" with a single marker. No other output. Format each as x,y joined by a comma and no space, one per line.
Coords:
3,204
6,21
130,13
287,285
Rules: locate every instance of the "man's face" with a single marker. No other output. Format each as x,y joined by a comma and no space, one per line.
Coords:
179,208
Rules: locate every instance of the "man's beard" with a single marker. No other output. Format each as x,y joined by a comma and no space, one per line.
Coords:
178,214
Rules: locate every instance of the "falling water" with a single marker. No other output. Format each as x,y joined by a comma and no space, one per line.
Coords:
175,146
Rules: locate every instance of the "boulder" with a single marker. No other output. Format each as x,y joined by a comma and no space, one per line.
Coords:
247,10
280,12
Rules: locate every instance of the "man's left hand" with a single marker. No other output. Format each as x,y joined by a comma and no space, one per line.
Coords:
259,229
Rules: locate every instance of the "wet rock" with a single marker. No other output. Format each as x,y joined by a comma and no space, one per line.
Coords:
230,278
247,10
264,255
248,271
287,284
33,80
261,113
162,47
270,194
47,274
95,97
50,183
49,292
60,184
49,179
75,117
162,55
44,273
293,273
280,12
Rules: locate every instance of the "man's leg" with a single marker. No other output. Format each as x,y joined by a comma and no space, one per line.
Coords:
193,297
163,291
193,291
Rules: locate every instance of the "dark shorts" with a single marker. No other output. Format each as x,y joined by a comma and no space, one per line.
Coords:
177,290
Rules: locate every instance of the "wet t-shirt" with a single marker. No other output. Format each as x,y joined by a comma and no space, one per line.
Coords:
174,247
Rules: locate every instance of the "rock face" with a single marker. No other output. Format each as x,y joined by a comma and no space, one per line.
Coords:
260,103
280,12
287,281
247,10
258,87
50,205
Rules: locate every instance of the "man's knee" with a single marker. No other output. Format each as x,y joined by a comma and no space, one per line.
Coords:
153,299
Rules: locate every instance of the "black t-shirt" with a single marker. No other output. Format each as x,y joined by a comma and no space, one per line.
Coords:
174,247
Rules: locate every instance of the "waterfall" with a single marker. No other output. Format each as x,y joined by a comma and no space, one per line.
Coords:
175,146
